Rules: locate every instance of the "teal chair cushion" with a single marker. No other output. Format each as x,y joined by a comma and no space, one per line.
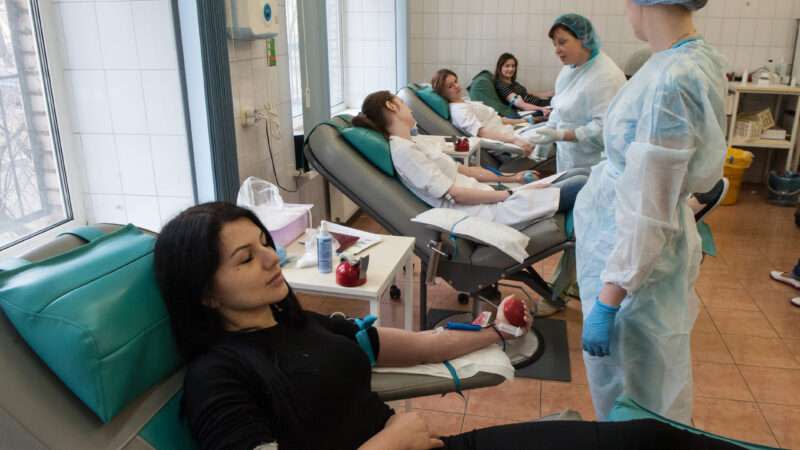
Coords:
167,430
482,89
372,146
95,316
626,408
435,101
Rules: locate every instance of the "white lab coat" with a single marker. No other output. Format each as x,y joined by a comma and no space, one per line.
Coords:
429,174
470,117
582,96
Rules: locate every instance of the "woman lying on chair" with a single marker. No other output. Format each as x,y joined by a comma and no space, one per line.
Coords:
442,183
475,118
260,369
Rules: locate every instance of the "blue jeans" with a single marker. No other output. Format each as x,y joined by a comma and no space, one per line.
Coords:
569,185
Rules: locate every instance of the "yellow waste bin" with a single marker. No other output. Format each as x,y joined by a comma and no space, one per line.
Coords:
736,162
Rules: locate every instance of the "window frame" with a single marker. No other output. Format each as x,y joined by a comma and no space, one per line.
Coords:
342,105
54,84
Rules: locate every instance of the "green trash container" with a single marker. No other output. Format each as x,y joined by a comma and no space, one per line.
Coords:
784,189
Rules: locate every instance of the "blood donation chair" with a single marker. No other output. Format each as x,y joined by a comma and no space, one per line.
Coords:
87,356
432,115
363,173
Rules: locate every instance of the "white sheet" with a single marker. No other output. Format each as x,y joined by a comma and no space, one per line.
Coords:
490,359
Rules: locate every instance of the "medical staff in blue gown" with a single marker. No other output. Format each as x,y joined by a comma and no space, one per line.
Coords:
638,250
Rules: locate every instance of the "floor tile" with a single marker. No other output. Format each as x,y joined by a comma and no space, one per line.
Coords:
758,351
737,321
710,347
771,385
557,397
784,422
440,423
704,324
794,346
728,418
451,402
726,298
516,399
720,381
478,422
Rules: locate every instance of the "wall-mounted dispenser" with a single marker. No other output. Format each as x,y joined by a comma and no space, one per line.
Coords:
252,19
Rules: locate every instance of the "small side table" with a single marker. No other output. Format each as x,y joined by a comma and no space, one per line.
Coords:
386,260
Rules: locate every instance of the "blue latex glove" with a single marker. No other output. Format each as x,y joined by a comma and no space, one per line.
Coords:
597,329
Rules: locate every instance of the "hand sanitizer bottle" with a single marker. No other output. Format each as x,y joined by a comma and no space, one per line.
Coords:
324,249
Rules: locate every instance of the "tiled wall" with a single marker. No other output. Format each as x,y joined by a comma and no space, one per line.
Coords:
468,35
121,71
255,84
369,48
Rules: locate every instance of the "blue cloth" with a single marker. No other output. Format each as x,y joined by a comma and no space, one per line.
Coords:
797,269
691,5
597,329
362,337
664,139
583,29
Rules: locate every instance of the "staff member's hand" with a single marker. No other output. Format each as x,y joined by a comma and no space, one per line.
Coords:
547,135
597,329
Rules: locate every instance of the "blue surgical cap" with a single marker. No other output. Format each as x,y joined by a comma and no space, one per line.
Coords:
582,28
691,5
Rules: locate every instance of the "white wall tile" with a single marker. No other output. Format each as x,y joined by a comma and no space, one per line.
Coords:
107,209
89,100
99,156
169,207
155,34
136,161
142,211
79,21
119,40
163,102
171,165
126,100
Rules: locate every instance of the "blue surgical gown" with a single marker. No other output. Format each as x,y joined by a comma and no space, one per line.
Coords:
664,138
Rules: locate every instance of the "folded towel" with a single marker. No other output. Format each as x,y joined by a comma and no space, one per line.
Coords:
490,359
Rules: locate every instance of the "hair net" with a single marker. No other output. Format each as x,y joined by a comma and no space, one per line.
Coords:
691,5
582,28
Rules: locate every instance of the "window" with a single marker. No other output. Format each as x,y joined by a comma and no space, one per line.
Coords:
295,84
333,18
33,190
333,9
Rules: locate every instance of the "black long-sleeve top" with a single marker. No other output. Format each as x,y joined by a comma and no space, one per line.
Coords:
504,89
307,388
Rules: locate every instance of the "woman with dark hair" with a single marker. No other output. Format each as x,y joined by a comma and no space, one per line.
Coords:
584,88
510,90
442,183
475,118
262,370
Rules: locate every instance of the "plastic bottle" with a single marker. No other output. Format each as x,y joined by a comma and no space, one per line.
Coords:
324,249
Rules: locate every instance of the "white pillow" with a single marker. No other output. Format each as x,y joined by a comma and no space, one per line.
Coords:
502,237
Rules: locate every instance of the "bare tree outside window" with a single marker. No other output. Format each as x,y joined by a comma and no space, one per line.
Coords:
33,196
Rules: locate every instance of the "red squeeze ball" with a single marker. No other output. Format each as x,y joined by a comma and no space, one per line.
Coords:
348,275
514,311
